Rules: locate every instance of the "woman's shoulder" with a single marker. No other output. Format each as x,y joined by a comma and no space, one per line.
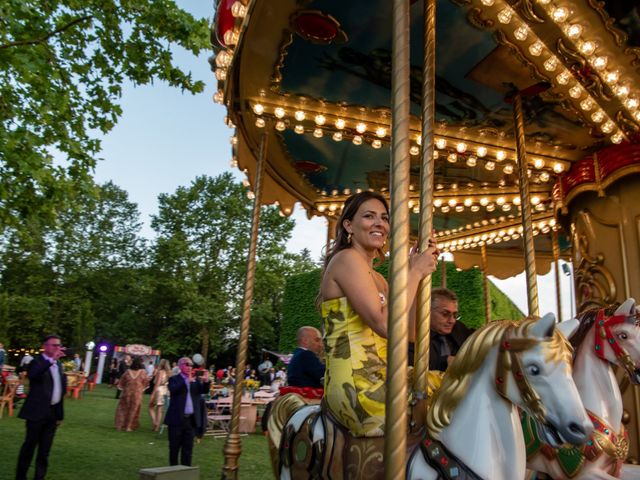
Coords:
347,258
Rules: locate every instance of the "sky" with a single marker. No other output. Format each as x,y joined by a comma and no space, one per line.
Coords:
165,139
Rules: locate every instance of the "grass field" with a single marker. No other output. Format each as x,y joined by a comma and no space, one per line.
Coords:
88,447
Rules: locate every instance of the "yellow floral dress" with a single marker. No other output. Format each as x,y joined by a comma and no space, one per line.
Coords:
356,360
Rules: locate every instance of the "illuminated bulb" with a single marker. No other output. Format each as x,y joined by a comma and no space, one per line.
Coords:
505,16
233,163
258,109
482,151
320,119
558,167
468,202
500,200
575,91
299,115
501,155
600,63
419,139
218,97
361,127
622,91
357,140
535,200
340,124
223,59
475,208
452,158
471,161
508,169
333,207
322,208
588,47
551,64
564,77
597,116
445,209
538,163
536,48
260,122
436,154
437,203
490,165
414,150
441,143
317,132
299,129
382,132
506,207
221,74
574,31
516,200
461,147
631,103
521,33
233,140
230,37
491,207
560,14
484,201
251,195
280,126
279,112
487,3
460,208
376,143
337,136
587,104
453,202
617,138
612,77
608,126
238,10
544,176
636,115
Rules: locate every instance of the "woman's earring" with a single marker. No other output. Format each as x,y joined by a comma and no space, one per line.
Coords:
349,238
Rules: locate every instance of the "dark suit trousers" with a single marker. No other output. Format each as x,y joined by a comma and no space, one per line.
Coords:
181,440
40,433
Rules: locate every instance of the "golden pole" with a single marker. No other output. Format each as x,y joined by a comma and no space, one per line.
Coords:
423,304
331,233
556,265
396,396
443,273
525,205
232,446
485,284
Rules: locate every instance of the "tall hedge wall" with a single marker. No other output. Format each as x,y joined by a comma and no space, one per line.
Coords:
301,291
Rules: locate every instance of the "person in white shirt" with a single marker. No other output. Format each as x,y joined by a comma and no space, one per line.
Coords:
150,369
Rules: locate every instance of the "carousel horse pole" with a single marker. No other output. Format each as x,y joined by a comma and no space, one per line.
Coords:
600,341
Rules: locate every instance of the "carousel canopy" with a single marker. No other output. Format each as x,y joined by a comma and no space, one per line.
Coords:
317,76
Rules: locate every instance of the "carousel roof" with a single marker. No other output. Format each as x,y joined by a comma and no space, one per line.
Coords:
318,73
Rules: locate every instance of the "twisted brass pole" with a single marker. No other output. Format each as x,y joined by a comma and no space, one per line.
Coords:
427,173
396,396
443,273
525,205
486,293
233,446
556,265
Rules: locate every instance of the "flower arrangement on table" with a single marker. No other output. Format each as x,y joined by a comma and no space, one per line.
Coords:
251,384
68,366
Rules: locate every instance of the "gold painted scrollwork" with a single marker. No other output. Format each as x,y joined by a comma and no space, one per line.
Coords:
595,285
526,9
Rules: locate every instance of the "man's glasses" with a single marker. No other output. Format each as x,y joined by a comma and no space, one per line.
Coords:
447,314
54,344
187,364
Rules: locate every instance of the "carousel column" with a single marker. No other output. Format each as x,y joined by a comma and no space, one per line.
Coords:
525,205
556,266
233,447
331,233
423,304
486,293
396,395
443,272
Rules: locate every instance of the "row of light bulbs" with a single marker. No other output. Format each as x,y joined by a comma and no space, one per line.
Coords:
484,223
563,77
462,150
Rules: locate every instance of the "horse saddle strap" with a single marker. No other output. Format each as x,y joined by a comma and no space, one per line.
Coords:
448,466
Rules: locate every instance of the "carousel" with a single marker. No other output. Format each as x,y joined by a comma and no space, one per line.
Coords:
507,127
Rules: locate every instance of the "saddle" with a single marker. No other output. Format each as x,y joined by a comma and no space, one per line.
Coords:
448,466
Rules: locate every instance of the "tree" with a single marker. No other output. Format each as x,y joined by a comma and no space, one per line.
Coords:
62,66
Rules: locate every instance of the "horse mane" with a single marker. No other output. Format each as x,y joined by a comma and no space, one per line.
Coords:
586,320
469,359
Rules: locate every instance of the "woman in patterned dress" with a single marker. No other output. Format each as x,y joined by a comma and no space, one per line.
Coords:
132,384
354,312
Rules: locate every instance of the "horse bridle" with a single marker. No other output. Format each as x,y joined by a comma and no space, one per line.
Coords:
508,359
603,332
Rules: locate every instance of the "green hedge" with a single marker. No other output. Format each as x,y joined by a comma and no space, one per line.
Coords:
301,291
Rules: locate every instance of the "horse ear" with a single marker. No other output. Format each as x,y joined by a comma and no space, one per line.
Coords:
543,328
568,327
627,307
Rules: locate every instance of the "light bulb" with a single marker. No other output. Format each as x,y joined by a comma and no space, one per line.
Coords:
221,74
631,103
490,165
588,47
482,151
471,161
357,140
558,167
361,127
587,104
505,15
597,116
280,126
521,33
501,155
320,119
538,163
564,77
414,150
599,63
622,91
279,112
508,169
608,126
617,138
551,64
576,91
560,14
461,147
381,132
299,129
337,136
612,77
441,143
258,108
238,10
340,124
536,48
299,115
260,122
574,31
317,132
452,158
376,143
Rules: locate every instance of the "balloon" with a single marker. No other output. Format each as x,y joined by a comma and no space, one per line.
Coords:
198,359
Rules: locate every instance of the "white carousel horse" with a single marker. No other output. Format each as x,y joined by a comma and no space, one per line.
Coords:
600,341
474,431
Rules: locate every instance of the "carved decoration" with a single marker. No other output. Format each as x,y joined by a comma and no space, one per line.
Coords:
526,10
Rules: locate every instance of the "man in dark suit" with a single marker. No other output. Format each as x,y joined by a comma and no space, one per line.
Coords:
43,408
184,415
305,368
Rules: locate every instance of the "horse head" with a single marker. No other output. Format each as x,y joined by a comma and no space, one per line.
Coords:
622,343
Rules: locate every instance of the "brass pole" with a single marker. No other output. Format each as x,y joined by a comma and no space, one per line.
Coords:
556,265
396,395
232,446
423,303
443,273
485,284
331,233
525,205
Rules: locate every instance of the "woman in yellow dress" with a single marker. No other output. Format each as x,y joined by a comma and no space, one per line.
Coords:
354,312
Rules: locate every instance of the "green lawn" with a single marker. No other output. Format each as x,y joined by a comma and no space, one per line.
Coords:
88,447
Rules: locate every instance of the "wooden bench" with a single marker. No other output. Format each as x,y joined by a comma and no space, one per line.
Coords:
177,472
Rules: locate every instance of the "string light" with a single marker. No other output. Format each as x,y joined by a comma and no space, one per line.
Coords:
279,112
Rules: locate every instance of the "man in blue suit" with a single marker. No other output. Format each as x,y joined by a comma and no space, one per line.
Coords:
43,408
184,415
305,368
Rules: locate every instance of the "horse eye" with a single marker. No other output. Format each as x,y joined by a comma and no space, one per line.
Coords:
533,370
622,336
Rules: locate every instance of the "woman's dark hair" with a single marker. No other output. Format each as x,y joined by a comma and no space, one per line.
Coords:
351,206
136,363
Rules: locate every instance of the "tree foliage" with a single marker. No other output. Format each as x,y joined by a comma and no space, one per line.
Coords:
62,66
